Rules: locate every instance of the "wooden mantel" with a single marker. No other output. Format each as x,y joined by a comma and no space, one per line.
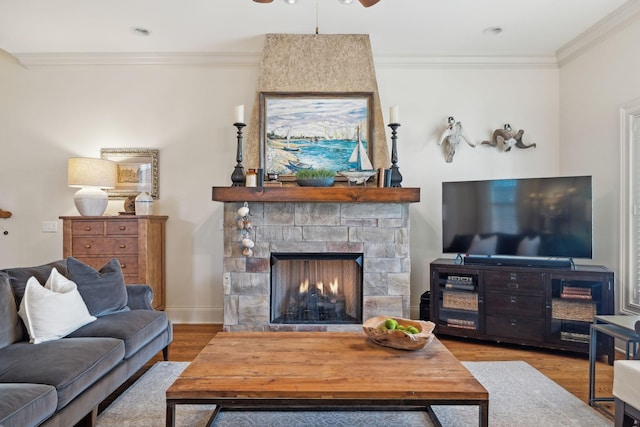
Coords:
317,194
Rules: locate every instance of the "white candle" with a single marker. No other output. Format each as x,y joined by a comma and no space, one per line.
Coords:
239,114
394,114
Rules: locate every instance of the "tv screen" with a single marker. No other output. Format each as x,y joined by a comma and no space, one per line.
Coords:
530,217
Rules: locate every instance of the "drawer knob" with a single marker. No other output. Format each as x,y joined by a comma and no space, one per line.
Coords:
122,246
512,286
87,229
87,246
123,266
123,227
513,322
513,299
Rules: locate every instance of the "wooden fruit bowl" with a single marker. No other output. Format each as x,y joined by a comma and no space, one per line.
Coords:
399,339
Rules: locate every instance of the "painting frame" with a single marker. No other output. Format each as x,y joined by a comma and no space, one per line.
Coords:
309,115
130,180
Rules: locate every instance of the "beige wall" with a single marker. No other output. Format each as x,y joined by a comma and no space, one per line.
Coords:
593,87
50,113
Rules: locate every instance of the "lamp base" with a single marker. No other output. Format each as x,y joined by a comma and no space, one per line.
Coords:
91,201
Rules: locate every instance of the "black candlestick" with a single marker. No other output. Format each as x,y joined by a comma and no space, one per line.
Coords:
237,177
396,177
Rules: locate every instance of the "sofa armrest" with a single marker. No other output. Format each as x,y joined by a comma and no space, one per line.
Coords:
139,297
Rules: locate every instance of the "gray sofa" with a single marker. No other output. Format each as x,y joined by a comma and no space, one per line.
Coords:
61,382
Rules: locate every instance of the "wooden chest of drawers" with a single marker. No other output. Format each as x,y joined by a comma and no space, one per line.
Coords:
137,241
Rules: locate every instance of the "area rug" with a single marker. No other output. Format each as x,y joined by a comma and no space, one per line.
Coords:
519,395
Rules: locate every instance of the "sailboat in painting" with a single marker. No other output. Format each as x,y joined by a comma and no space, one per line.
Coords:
288,146
364,169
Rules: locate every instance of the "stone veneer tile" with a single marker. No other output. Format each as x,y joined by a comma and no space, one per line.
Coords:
312,233
299,247
345,247
258,265
381,250
359,222
383,305
371,210
253,310
383,265
375,284
318,214
279,213
279,233
234,264
250,283
371,234
231,309
399,283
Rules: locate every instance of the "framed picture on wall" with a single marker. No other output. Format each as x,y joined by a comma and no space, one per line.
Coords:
137,171
300,130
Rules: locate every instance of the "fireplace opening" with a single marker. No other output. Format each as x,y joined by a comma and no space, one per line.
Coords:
316,288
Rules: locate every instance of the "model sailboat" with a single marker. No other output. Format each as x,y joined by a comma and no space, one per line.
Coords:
364,169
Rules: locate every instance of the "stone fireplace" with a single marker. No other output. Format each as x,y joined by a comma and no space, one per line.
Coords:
338,222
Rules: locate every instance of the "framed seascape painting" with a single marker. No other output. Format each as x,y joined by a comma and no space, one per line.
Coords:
137,170
314,131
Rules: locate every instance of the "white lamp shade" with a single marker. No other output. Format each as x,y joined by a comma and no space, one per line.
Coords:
91,175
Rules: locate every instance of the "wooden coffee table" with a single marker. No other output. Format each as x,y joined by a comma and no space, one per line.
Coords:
323,371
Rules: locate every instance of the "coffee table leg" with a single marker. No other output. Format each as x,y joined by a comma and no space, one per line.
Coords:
484,414
171,414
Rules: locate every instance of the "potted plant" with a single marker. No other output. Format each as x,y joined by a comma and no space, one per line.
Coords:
315,177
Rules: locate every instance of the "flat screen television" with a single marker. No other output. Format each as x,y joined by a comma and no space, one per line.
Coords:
530,217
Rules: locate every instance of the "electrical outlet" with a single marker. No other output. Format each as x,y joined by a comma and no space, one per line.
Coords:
226,279
49,226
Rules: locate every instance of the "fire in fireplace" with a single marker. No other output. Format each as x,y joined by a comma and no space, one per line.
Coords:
316,288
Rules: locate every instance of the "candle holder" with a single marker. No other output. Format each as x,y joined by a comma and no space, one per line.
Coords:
396,177
237,177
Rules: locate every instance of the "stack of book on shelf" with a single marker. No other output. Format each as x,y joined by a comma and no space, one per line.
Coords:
461,323
575,292
462,283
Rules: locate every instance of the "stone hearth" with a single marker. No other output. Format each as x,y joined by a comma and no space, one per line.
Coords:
378,230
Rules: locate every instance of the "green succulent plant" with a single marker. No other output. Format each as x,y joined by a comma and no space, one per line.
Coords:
315,174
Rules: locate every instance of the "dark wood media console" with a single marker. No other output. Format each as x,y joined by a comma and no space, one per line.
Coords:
535,306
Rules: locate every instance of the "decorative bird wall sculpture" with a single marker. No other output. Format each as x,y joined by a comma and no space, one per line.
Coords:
508,138
451,138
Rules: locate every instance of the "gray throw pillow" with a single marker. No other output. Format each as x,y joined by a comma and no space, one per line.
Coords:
104,291
10,325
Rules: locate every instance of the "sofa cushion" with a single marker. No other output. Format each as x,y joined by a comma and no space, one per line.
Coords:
71,365
103,291
136,328
20,275
626,377
10,327
52,311
26,404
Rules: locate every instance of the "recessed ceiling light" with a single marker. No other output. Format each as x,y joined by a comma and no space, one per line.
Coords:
291,1
346,1
492,31
140,31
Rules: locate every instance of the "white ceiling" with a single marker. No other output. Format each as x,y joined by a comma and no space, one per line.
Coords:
396,27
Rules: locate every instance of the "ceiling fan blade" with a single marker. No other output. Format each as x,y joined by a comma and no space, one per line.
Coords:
367,3
263,1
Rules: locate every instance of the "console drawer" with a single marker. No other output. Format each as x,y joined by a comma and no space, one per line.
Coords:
514,304
515,327
105,245
514,282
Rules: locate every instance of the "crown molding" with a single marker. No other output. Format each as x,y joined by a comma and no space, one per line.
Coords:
474,60
615,21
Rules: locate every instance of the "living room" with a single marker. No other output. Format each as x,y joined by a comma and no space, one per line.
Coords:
58,104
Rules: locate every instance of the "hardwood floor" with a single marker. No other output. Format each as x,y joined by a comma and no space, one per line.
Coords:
569,370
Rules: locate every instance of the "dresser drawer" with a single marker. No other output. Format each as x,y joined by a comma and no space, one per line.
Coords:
105,246
117,228
515,327
514,304
129,264
88,228
532,283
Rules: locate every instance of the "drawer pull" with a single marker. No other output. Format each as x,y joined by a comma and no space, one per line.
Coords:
513,299
512,285
122,246
513,322
123,227
87,246
87,229
123,266
514,276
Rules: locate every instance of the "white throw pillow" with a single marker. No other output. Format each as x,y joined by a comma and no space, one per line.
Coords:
529,247
480,246
53,311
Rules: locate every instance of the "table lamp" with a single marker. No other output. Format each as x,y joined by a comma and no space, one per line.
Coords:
91,176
